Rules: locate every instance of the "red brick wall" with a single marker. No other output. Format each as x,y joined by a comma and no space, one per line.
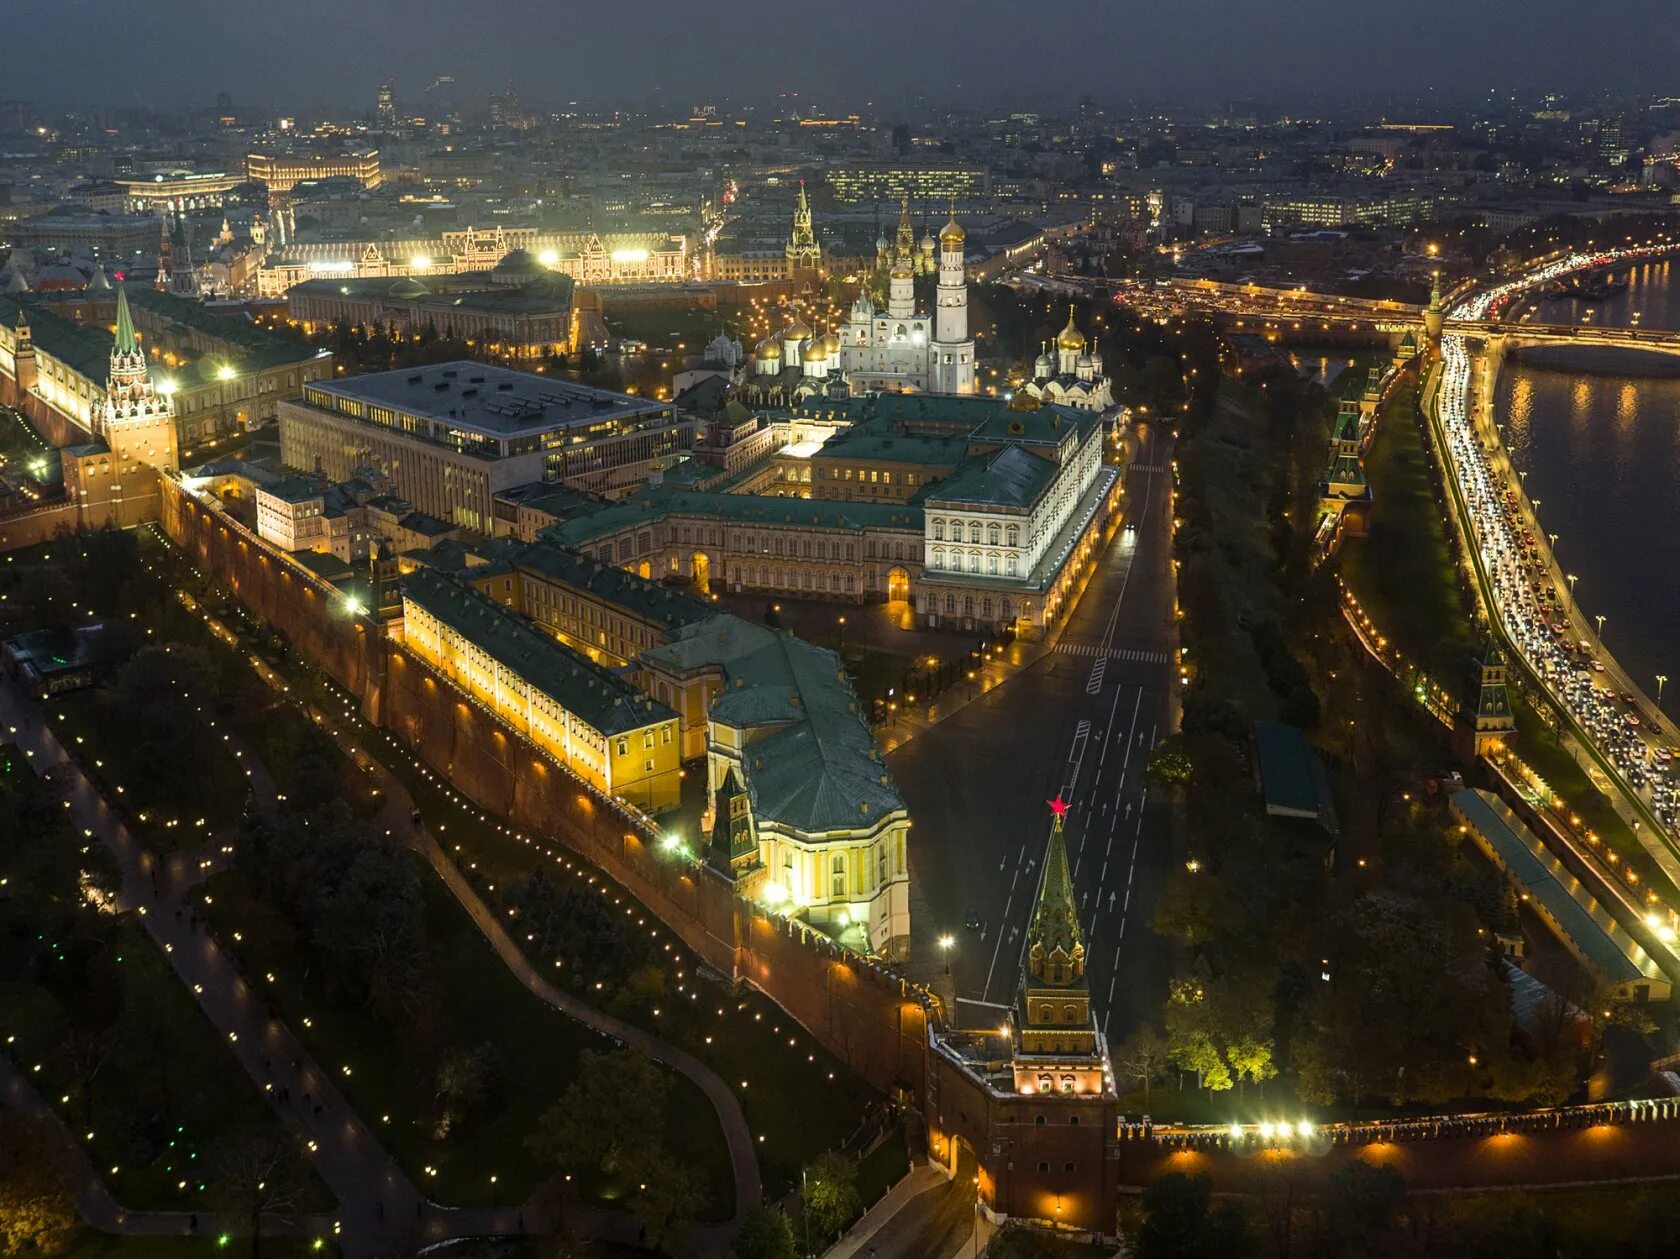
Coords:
865,1016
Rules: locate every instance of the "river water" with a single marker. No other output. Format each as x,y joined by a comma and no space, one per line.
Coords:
1601,449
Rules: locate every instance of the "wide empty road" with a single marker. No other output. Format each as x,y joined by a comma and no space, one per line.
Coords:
1079,722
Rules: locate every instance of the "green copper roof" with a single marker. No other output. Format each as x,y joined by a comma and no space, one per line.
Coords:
1055,921
125,341
809,761
599,697
1009,478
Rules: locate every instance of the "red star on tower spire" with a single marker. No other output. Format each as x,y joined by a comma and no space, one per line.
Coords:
1058,806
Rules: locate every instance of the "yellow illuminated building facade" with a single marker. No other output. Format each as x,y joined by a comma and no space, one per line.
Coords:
609,734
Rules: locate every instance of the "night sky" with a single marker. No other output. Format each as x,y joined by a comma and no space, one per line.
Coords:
329,54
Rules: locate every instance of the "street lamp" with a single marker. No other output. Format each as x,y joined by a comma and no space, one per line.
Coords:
1600,619
1570,578
1661,679
946,943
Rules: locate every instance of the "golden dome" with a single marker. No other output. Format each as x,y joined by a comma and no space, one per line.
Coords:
817,351
952,233
829,343
769,349
1071,338
901,271
798,330
1024,401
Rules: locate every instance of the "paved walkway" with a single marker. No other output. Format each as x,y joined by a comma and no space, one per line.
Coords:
100,1210
396,814
380,1211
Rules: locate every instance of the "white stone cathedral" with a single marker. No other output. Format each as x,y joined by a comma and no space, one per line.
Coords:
903,348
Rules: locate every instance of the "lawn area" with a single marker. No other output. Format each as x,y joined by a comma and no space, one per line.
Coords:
799,1098
389,1072
91,731
882,1168
92,1014
1403,574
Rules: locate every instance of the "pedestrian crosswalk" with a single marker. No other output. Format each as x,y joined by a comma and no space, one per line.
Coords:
1145,467
1131,654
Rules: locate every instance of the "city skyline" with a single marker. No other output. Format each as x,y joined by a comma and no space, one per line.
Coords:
944,52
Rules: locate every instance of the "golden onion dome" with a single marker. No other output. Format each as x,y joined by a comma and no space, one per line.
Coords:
768,349
798,330
817,352
901,271
830,343
952,233
1071,338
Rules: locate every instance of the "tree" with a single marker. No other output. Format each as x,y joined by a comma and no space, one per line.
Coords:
1143,1056
1169,764
1179,1222
37,1211
1199,908
829,1194
257,1178
765,1233
610,1115
467,1082
666,1202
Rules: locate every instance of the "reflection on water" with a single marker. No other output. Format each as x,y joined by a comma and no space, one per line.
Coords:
1602,453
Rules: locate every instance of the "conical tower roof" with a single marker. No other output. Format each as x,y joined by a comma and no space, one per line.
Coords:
126,342
1055,920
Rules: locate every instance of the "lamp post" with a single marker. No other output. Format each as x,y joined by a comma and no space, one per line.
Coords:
1600,619
946,943
1570,578
1661,679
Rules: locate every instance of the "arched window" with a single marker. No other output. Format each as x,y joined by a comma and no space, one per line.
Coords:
939,557
1012,567
992,565
1014,535
939,531
1046,1014
968,605
986,607
1070,1013
992,535
974,532
973,563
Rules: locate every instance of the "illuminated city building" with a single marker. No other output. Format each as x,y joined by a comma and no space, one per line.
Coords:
614,737
280,171
454,435
1073,375
176,190
517,309
867,182
587,257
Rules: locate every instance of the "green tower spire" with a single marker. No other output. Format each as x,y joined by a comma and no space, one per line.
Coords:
126,342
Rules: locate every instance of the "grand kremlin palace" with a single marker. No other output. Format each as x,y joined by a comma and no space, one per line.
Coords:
978,512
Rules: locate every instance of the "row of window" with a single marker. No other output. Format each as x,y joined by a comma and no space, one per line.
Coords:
990,534
954,562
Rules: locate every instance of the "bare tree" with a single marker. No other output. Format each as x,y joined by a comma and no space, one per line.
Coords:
258,1179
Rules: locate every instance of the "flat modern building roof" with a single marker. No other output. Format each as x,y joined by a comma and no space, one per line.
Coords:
494,402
